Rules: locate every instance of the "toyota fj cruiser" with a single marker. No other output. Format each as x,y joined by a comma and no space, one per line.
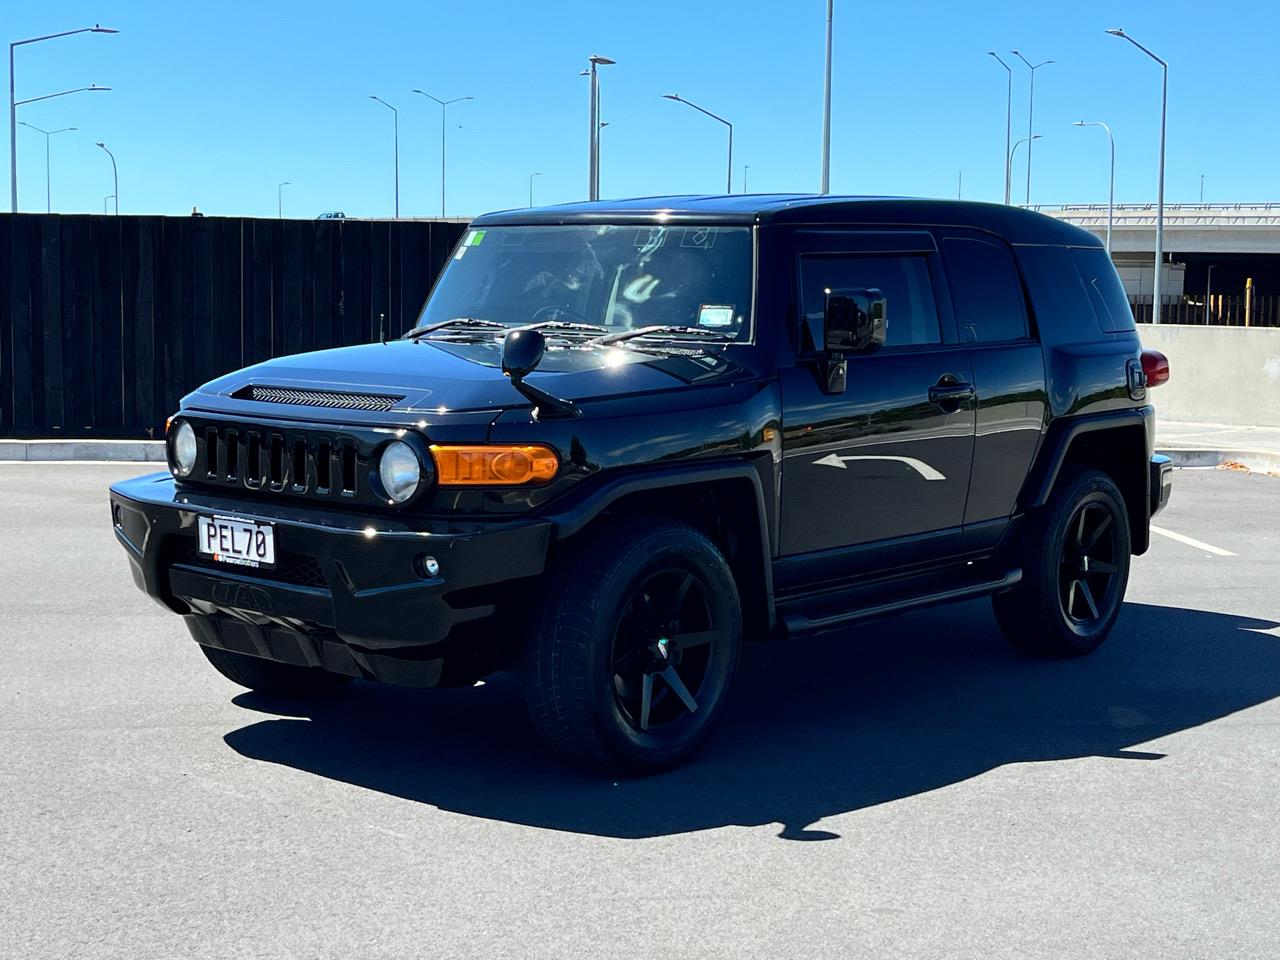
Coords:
624,437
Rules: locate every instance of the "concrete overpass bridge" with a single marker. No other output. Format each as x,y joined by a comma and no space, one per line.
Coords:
1223,256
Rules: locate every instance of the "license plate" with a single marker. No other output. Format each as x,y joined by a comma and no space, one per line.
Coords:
246,543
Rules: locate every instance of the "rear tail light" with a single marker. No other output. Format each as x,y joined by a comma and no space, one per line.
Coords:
1155,367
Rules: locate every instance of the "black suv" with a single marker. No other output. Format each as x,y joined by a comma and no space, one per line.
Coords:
625,437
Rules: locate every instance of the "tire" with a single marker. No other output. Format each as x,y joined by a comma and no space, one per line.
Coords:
270,677
640,622
1075,568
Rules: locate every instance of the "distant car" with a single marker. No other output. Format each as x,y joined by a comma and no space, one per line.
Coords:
625,437
332,215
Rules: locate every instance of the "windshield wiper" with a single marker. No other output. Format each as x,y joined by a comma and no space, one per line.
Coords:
665,330
567,326
455,322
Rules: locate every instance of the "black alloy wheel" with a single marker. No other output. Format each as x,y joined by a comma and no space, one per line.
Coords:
664,650
1089,572
1074,556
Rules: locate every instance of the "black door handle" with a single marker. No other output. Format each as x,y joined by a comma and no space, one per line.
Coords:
950,392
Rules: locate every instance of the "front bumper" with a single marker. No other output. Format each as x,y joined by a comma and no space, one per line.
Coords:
346,595
1161,484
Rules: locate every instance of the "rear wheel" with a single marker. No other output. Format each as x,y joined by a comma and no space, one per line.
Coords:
1075,569
270,677
637,645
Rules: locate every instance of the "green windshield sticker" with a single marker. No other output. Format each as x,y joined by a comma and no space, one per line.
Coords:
476,237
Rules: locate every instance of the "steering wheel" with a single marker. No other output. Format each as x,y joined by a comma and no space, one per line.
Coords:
553,312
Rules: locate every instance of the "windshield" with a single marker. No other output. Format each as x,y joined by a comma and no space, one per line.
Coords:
617,277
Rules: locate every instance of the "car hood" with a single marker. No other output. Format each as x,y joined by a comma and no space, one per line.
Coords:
457,376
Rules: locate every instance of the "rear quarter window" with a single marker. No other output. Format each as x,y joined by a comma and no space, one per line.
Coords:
1106,292
985,290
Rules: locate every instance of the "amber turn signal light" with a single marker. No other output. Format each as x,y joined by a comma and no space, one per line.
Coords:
493,465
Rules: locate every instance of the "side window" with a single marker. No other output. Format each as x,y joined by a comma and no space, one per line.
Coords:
910,312
1106,292
985,289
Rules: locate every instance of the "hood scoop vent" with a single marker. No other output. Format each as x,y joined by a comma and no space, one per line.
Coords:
331,399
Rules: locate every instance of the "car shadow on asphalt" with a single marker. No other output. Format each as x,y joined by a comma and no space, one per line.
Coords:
816,727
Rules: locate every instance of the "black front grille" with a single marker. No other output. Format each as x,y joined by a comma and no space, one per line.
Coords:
332,399
302,461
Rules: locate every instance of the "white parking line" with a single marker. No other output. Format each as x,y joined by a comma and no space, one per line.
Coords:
1198,544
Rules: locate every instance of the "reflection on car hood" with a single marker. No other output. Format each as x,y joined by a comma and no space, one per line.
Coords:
465,374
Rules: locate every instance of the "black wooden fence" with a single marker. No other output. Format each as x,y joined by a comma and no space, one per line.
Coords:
106,322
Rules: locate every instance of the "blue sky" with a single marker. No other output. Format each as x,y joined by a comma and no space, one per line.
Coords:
213,104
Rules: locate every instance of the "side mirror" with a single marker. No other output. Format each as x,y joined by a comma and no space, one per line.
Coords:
522,352
854,321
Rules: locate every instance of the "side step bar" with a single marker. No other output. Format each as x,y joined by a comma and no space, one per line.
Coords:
800,623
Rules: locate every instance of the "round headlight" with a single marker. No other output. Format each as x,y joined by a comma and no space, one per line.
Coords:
400,471
184,450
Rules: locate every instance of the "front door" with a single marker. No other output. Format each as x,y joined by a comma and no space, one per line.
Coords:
889,457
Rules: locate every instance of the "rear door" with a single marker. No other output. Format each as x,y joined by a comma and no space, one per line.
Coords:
890,457
990,307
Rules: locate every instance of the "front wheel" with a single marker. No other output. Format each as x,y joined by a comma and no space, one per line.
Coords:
1075,569
635,649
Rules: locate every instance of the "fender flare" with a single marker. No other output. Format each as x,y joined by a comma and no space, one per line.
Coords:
1053,452
571,517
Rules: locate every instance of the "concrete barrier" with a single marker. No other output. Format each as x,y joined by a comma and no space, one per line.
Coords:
1226,375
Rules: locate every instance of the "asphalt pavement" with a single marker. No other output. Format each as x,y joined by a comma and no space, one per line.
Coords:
909,789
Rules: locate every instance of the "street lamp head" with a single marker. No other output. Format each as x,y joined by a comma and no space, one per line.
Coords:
97,28
602,61
101,144
94,88
1116,32
1079,123
671,96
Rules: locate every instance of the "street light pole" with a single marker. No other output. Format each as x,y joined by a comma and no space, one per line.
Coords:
115,176
1157,299
729,179
14,103
48,135
745,168
397,147
1031,112
531,176
443,105
826,109
1026,140
1111,195
280,198
593,158
1008,127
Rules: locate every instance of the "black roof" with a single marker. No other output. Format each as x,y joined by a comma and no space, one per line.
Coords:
1013,223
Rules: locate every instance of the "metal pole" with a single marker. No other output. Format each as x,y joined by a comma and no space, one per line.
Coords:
592,183
443,126
1008,126
1208,290
679,99
13,138
1111,194
280,198
1202,188
14,104
745,168
728,186
531,176
1031,110
1164,109
115,175
826,108
1157,297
